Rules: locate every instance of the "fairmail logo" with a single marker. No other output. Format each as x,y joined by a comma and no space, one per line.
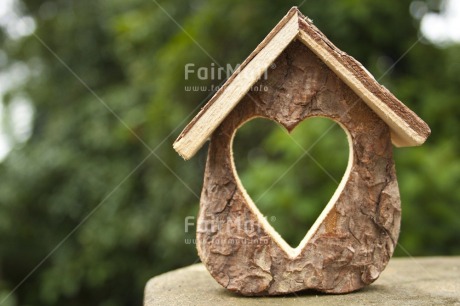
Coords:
214,72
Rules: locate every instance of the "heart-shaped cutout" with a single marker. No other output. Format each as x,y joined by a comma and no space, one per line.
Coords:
291,177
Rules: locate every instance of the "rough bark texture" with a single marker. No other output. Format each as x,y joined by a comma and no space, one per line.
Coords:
356,239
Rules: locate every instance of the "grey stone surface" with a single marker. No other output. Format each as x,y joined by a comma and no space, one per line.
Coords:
406,281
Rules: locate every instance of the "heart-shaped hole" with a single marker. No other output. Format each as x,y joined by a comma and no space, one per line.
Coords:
291,177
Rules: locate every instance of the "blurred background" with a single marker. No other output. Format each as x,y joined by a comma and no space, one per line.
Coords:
93,93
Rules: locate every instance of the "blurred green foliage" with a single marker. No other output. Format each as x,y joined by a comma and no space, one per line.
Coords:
291,177
81,178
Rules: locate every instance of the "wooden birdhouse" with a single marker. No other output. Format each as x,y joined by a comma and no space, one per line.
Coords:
353,239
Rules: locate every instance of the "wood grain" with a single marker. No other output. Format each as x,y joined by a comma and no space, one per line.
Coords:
357,235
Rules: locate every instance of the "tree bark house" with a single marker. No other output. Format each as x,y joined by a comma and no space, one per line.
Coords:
353,239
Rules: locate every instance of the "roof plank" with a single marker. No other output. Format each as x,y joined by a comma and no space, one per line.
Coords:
215,111
409,128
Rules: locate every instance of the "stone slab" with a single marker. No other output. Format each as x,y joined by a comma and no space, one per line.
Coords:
406,281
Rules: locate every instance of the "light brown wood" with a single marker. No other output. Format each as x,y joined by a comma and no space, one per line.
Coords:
407,129
234,89
355,236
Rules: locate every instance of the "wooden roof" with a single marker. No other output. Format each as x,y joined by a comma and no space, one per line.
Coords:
407,129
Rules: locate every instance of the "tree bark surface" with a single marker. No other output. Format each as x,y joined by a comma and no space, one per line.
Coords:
357,237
